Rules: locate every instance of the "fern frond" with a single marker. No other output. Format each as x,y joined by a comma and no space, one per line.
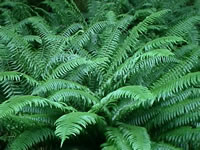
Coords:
13,76
183,26
135,64
142,27
181,135
130,42
31,137
42,119
73,123
65,94
171,112
58,84
111,43
115,137
162,42
107,146
157,53
85,37
185,119
141,116
19,121
72,29
58,58
181,68
180,96
38,23
163,146
17,76
137,137
173,86
15,104
31,38
136,93
66,67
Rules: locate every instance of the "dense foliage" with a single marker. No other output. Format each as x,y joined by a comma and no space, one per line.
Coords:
99,74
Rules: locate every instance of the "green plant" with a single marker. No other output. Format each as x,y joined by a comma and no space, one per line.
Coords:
127,77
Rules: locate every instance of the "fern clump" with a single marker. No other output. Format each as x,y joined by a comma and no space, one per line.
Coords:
117,75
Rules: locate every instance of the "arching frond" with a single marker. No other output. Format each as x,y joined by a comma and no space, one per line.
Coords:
15,104
162,42
135,32
136,93
17,76
58,84
73,123
164,90
183,134
137,137
31,137
32,38
185,119
66,67
115,137
37,23
81,96
183,26
72,29
169,113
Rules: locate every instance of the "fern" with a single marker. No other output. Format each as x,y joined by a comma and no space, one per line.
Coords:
175,111
15,104
185,134
98,74
66,67
72,124
176,85
132,92
64,94
58,84
164,42
116,139
31,137
163,146
184,26
136,136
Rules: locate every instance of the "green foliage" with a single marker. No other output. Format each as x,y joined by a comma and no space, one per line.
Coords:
119,75
31,137
73,123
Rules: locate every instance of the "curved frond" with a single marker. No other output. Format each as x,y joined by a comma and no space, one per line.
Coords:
58,84
64,68
117,139
182,135
139,94
82,96
71,30
73,123
173,86
137,137
169,113
183,26
31,137
162,42
16,103
17,76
